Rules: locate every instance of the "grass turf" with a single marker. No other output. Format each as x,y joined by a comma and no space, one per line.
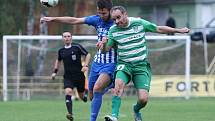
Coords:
158,109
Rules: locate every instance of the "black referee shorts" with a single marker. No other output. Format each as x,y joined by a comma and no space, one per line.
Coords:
72,83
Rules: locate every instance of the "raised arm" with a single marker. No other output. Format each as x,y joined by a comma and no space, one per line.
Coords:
166,29
65,19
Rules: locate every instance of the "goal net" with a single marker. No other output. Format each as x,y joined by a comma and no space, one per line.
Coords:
28,63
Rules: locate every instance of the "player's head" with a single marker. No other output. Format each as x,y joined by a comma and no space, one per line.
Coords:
67,38
119,16
103,9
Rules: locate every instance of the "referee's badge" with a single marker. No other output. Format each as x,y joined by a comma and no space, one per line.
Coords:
73,57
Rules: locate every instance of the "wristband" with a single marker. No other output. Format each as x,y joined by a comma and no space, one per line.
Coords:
55,70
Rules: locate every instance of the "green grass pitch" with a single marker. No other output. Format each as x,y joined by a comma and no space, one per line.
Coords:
158,109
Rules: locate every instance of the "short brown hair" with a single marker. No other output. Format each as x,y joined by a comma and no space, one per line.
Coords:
120,8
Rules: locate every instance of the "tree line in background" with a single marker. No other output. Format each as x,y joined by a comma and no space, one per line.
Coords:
23,17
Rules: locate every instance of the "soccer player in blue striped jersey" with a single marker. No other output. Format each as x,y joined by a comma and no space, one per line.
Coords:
128,35
103,65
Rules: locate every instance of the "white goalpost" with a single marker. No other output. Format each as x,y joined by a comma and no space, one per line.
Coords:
58,37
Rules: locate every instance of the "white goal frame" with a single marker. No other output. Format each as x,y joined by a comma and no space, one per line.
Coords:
58,37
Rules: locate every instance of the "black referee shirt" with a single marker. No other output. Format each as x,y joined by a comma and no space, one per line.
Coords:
72,61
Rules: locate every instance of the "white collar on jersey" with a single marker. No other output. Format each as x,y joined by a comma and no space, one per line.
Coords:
67,46
129,23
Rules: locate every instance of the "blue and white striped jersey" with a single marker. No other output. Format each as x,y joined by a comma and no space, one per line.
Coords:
102,29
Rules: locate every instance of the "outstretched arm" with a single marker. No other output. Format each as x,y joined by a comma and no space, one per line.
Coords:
65,19
166,29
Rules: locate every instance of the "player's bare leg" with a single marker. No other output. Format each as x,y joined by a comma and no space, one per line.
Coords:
76,95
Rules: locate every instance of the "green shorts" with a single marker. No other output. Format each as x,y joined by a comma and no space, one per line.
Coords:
139,74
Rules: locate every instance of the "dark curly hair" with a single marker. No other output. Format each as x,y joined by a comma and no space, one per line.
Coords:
101,4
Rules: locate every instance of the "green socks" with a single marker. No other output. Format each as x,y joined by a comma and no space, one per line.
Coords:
137,107
116,102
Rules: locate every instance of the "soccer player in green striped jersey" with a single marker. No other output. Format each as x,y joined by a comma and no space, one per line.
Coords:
128,36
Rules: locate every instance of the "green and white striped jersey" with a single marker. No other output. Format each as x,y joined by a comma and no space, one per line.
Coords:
130,41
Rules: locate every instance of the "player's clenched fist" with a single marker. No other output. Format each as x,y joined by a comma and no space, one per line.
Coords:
46,19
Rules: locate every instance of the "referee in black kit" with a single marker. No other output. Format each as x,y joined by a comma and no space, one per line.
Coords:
71,55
